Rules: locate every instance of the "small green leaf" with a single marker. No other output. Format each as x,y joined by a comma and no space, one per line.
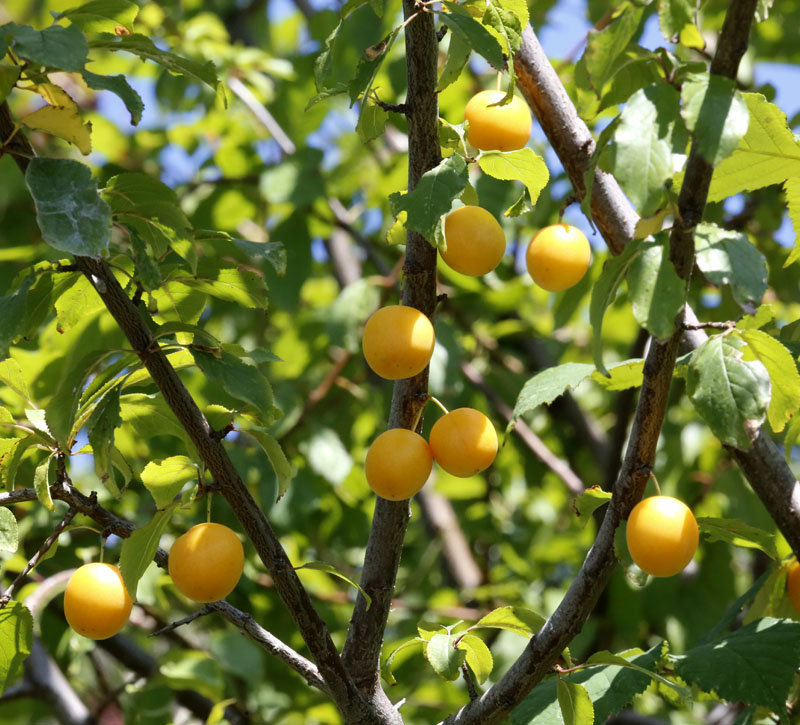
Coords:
145,48
442,655
458,52
71,215
164,478
277,458
140,547
371,121
9,531
784,401
716,114
42,478
240,380
16,641
331,569
575,703
755,664
603,293
432,197
55,47
100,426
656,291
728,257
544,387
386,667
729,393
524,165
733,531
459,20
99,16
520,620
590,500
479,657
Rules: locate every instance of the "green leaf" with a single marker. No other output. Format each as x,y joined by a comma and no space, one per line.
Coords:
624,375
277,458
140,547
9,75
716,114
55,47
755,664
441,653
673,16
784,378
544,387
524,165
331,569
479,657
657,293
42,478
611,689
575,703
604,291
240,380
105,418
459,20
10,459
590,500
733,531
607,658
432,197
324,61
371,121
63,405
150,416
227,282
386,667
193,670
12,376
71,215
506,25
729,393
728,257
792,189
144,47
520,620
648,144
12,315
100,16
9,531
604,47
78,302
768,153
457,56
120,86
368,67
165,477
16,641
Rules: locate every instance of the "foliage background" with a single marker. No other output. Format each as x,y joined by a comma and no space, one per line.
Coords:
323,194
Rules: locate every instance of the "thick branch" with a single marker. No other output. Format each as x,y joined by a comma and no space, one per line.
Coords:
365,636
546,646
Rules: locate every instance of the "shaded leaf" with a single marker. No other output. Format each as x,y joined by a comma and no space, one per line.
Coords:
733,531
459,20
284,471
603,47
755,664
458,52
729,393
99,16
12,315
71,215
140,547
16,641
331,569
105,418
42,479
120,86
386,667
54,47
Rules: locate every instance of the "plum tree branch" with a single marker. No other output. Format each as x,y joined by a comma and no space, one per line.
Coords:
544,648
362,647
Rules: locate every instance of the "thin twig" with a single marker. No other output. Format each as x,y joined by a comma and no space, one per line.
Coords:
37,557
471,689
202,612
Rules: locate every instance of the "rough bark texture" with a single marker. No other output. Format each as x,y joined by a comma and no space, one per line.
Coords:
365,636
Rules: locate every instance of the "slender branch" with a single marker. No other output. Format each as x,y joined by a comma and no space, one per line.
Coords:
544,648
384,546
36,558
172,626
